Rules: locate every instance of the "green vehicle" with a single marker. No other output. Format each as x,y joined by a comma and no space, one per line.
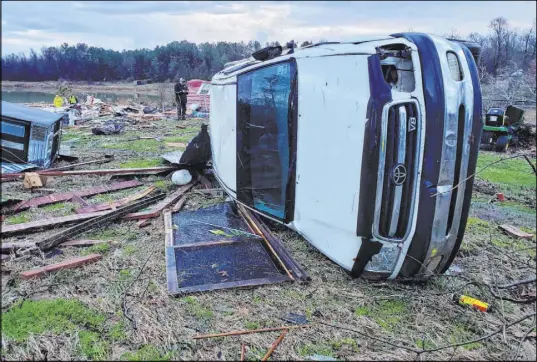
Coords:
500,127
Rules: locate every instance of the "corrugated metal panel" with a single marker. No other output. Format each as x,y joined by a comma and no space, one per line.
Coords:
8,168
33,115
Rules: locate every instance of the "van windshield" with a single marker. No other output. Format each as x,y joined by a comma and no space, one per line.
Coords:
263,143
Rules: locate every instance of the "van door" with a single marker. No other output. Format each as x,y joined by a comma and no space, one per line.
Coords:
266,139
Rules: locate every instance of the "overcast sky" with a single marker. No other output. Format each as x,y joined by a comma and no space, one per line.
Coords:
139,24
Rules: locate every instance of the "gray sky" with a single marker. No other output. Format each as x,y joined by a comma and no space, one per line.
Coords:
140,24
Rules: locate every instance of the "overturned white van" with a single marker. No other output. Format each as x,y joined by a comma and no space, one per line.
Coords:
364,147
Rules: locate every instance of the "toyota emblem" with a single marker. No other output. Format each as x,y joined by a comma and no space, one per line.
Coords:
399,175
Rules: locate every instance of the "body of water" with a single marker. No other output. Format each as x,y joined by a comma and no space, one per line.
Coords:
38,97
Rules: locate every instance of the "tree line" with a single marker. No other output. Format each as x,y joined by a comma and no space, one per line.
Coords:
504,51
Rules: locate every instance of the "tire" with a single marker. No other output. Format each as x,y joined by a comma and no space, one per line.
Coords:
502,143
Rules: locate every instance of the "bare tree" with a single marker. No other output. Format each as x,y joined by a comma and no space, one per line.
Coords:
528,41
499,40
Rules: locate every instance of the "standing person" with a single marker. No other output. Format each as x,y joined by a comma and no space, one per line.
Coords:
181,91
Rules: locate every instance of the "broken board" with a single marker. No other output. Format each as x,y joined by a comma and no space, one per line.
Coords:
214,248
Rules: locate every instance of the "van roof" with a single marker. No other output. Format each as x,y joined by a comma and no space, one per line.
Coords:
33,115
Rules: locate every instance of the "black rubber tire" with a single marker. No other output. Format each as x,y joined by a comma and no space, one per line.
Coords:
502,142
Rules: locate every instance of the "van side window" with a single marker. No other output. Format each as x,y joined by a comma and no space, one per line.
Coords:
264,101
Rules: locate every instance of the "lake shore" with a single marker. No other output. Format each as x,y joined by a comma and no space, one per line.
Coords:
84,87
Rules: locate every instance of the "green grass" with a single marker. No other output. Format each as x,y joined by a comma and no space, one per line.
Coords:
135,145
141,163
516,206
66,208
162,184
129,249
194,307
309,349
17,219
147,352
515,172
338,344
387,313
252,325
100,248
59,316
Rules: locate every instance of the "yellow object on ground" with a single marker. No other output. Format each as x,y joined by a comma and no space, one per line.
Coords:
474,303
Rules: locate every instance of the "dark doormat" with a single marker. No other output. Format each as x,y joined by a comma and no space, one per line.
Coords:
214,248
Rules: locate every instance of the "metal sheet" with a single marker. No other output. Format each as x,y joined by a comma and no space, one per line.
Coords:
9,168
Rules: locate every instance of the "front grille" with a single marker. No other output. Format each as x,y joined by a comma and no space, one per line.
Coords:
399,161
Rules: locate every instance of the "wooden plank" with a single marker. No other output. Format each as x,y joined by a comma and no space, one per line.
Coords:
46,223
179,205
276,244
99,221
156,210
85,242
176,144
249,331
269,245
115,204
171,267
65,196
514,231
79,200
7,248
143,223
236,284
114,171
67,264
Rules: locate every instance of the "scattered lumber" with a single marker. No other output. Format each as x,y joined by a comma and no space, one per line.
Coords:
176,144
85,242
65,196
249,331
67,264
98,221
514,231
115,171
274,243
157,209
274,345
115,204
7,248
46,224
34,180
143,223
79,200
179,205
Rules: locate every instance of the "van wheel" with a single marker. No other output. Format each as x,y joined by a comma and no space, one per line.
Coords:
502,143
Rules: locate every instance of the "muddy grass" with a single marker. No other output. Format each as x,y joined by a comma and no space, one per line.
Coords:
86,313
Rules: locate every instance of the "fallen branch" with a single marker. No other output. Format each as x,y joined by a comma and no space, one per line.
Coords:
274,345
514,284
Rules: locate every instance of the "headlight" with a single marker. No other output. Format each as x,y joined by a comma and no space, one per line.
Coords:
454,66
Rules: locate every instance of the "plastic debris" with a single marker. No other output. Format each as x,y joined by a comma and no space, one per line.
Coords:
109,127
181,177
320,357
477,304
